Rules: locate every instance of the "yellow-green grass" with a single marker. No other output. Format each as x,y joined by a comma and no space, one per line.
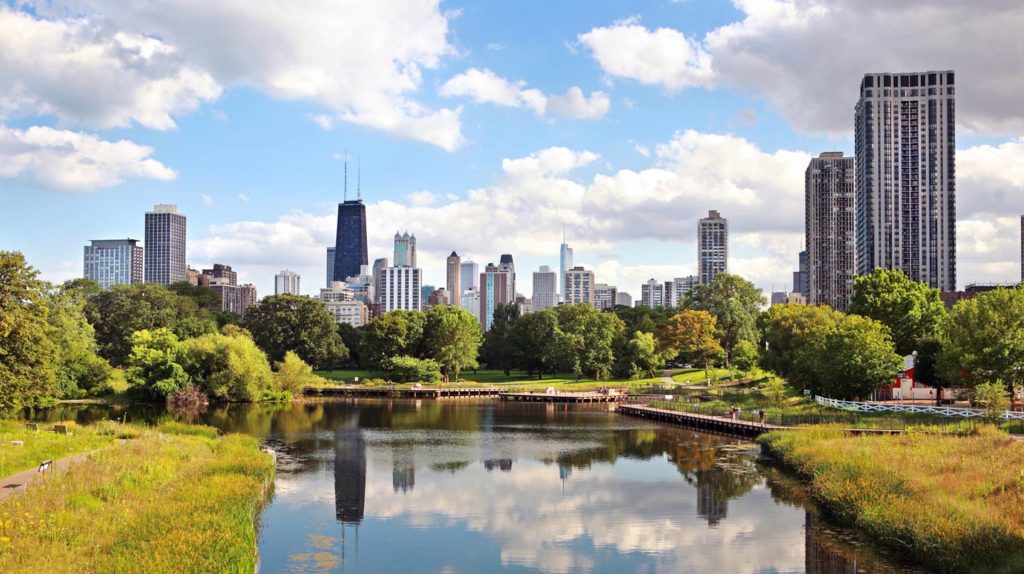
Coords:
949,502
182,502
45,444
583,385
698,377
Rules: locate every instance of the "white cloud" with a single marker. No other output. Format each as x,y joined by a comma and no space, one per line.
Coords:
243,198
495,47
422,198
362,61
642,149
70,161
484,86
206,199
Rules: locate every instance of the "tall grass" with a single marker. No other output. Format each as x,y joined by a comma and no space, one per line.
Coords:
44,444
181,502
952,503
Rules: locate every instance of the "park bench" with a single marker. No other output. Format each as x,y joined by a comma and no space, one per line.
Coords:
32,426
62,429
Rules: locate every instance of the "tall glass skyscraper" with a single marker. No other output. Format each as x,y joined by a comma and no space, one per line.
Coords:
113,262
564,265
165,245
350,241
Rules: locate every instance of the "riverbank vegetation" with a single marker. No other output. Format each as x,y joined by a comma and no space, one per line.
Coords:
949,502
44,444
176,498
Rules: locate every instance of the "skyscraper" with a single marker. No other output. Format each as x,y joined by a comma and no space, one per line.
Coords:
165,245
604,296
829,229
330,266
623,298
350,241
287,282
113,262
564,265
379,265
494,291
579,286
405,250
454,282
545,288
470,276
712,247
399,288
800,275
509,267
905,138
652,293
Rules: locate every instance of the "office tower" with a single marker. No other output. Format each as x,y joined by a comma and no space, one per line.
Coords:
712,247
604,296
350,240
564,265
453,284
425,291
405,250
286,282
905,139
652,293
800,276
399,288
113,262
545,288
778,298
470,276
579,286
330,265
378,267
471,302
494,291
506,265
623,298
165,245
829,228
222,273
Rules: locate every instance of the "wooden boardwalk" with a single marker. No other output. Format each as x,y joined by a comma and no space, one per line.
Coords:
709,422
581,398
389,392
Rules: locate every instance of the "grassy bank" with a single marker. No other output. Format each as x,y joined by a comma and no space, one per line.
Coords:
177,498
514,381
44,444
949,502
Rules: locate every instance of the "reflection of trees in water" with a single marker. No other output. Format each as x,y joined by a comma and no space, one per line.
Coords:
502,464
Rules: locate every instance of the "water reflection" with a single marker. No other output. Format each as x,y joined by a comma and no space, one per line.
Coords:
485,486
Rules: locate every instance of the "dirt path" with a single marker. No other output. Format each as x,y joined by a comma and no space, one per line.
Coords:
19,482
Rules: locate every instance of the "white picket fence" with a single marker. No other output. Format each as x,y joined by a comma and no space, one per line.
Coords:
898,408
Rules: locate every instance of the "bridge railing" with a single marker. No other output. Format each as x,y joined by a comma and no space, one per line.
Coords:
941,411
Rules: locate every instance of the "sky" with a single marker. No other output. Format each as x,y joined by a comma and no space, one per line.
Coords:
483,128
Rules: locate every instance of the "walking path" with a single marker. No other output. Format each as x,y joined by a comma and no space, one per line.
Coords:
19,482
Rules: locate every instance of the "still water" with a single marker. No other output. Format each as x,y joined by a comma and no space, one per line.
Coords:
460,486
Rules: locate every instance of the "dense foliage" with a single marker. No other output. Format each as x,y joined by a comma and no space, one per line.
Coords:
27,350
735,303
912,311
282,323
983,340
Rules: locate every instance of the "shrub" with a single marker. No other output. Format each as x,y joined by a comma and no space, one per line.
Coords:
293,375
405,369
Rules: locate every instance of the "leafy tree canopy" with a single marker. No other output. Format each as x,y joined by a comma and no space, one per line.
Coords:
912,311
282,323
735,303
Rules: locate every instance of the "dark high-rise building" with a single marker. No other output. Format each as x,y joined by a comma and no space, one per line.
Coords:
829,228
350,241
800,275
165,245
905,134
330,266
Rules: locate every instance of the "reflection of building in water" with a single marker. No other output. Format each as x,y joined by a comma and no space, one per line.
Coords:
403,468
819,558
349,474
503,464
710,505
564,471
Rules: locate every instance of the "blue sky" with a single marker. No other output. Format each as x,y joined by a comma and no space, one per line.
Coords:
482,128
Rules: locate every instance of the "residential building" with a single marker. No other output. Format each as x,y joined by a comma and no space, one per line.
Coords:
362,285
338,291
330,265
564,265
525,304
675,291
579,286
437,297
623,298
712,247
800,275
113,262
221,273
905,149
350,240
453,284
378,268
796,299
829,227
652,293
399,288
233,298
470,279
494,291
165,245
545,288
287,282
604,296
405,250
341,302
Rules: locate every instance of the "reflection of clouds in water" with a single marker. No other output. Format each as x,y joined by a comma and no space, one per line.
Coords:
540,527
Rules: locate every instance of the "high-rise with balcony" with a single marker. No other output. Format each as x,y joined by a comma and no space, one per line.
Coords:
287,282
579,286
113,262
829,228
652,293
399,288
545,288
604,296
712,247
165,245
454,279
905,140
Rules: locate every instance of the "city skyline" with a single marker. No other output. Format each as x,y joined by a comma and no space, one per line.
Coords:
622,148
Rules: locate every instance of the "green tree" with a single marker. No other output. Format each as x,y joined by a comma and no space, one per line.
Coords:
204,297
735,304
993,397
592,336
294,375
912,311
78,369
793,338
352,338
227,367
857,358
745,355
384,337
643,318
155,364
774,390
498,352
117,313
282,323
639,356
453,339
415,338
927,367
27,351
540,345
405,369
694,333
983,339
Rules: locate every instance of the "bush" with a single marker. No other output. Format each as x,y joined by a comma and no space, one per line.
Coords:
293,375
405,369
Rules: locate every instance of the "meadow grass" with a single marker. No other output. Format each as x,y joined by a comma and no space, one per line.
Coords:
514,381
45,444
171,500
949,502
698,377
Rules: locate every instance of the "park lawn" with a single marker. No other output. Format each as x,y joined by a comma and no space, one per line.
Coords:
45,444
949,502
697,376
174,499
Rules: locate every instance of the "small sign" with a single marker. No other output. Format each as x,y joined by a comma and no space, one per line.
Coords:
45,465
